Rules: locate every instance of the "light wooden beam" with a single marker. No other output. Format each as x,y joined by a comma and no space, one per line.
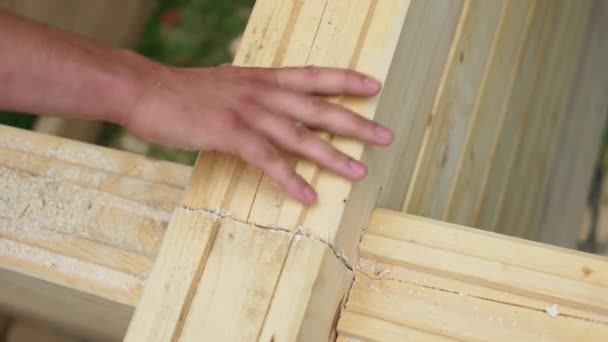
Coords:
80,226
240,261
436,281
417,278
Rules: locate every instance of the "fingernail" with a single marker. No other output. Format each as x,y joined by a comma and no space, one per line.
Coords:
371,84
384,134
308,194
359,169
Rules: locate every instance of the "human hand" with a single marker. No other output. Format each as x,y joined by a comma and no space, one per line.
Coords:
258,113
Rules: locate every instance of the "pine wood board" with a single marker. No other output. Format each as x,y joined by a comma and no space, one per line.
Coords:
453,108
80,226
436,304
231,194
496,180
96,312
529,168
493,149
490,109
563,200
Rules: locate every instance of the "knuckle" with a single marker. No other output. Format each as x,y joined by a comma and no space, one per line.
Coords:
317,104
301,134
264,155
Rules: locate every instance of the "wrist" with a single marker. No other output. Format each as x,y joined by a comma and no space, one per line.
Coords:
132,80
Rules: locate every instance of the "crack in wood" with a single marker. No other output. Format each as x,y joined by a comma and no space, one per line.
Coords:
463,294
223,214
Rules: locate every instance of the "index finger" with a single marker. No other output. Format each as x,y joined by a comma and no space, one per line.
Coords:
323,81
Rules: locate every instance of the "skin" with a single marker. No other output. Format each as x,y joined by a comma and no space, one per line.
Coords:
257,114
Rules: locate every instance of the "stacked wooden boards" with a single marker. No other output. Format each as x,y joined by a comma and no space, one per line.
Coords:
80,226
500,151
416,278
242,262
425,280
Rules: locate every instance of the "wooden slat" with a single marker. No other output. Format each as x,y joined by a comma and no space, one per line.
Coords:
543,119
572,168
427,292
79,229
491,246
295,259
439,306
497,180
499,123
95,157
357,326
490,110
485,259
572,61
453,109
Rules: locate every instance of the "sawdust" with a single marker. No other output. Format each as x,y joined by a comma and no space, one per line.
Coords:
32,205
82,154
553,310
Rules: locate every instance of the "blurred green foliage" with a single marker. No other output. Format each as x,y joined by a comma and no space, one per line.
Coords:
194,32
188,33
20,120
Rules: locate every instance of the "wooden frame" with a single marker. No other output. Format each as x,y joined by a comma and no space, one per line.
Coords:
399,284
239,261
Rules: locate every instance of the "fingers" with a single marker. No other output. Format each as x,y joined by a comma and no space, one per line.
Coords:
256,150
316,112
298,139
321,81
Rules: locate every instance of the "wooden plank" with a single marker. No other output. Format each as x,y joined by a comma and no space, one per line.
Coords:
560,262
544,118
453,109
96,157
431,296
485,259
357,326
572,61
225,191
80,226
463,311
580,138
490,110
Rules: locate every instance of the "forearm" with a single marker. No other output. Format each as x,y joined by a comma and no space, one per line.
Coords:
48,71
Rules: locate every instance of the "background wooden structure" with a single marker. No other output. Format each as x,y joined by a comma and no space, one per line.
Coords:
500,150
